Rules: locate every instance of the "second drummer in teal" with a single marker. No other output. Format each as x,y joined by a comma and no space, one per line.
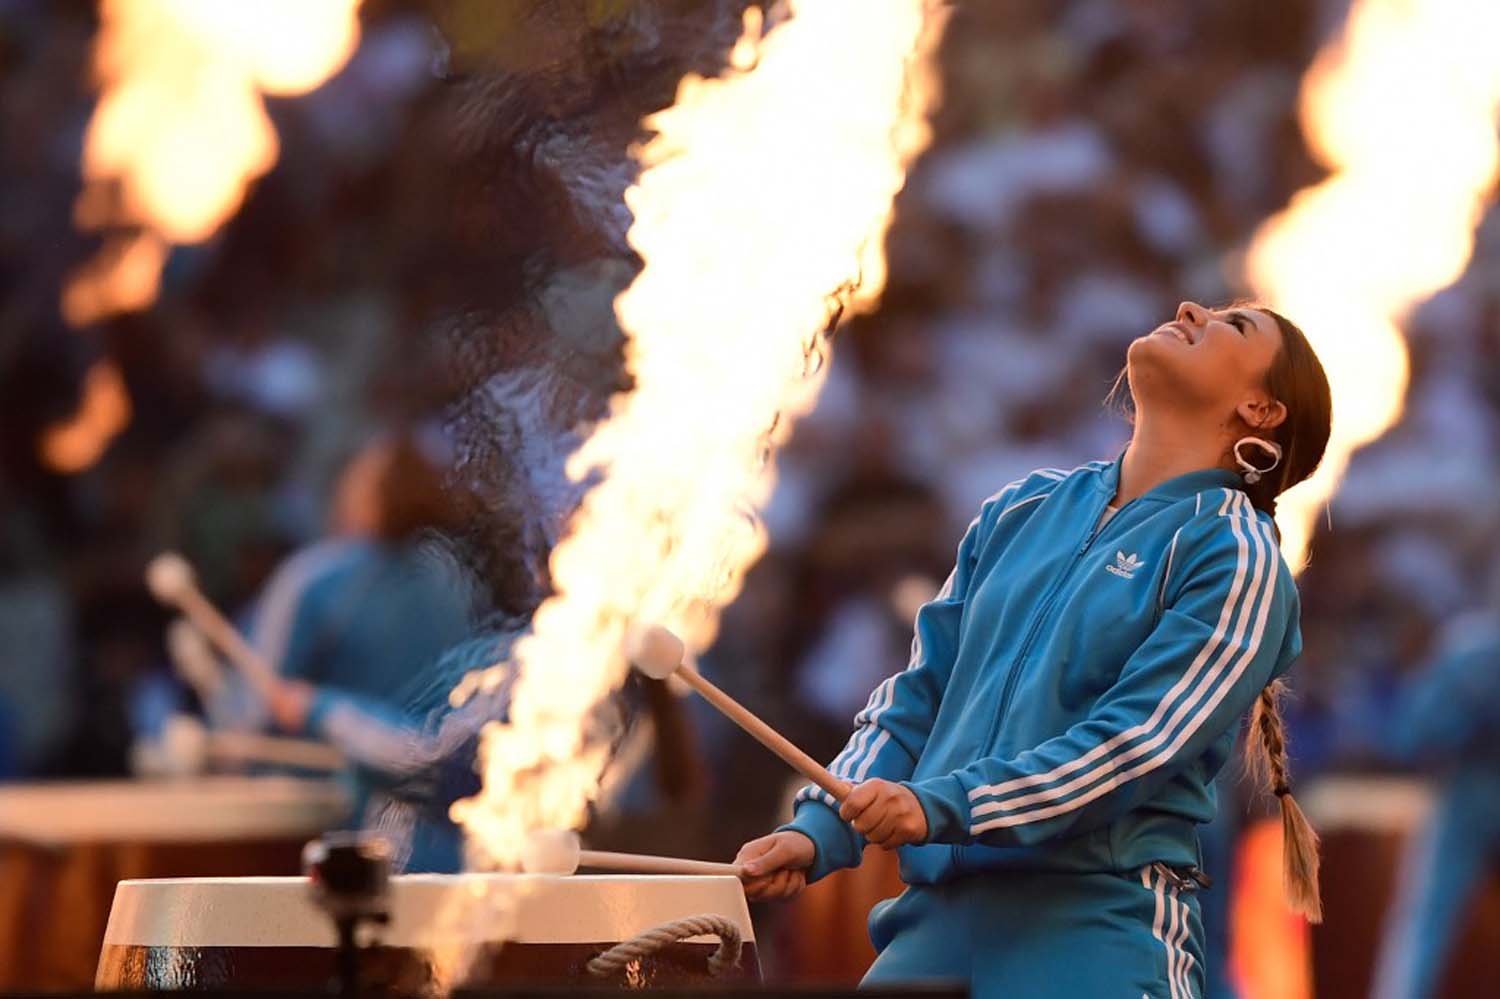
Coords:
1044,760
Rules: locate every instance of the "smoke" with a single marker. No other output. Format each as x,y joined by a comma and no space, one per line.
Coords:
544,104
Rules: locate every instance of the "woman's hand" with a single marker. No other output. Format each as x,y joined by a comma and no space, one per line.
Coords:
885,813
290,701
776,865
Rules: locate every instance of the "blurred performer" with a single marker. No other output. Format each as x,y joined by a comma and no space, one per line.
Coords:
375,604
365,614
411,754
1045,760
1450,715
412,762
370,633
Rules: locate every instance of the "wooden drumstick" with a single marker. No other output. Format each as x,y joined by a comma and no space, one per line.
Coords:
557,851
252,747
186,746
658,653
603,860
171,581
194,661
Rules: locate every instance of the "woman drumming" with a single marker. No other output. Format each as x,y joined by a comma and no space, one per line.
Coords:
1045,759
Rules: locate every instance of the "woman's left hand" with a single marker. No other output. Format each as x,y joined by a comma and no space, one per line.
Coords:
885,813
290,701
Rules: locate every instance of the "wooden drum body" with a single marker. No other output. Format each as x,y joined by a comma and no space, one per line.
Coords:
445,931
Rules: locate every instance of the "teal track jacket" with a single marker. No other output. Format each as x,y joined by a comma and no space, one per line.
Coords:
1073,689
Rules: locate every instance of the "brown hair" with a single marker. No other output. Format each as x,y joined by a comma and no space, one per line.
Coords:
1296,378
412,497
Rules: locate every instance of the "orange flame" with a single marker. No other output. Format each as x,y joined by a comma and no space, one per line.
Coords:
180,130
1402,108
103,412
764,193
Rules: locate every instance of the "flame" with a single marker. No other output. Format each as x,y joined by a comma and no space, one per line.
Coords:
1402,108
763,202
103,412
181,129
124,277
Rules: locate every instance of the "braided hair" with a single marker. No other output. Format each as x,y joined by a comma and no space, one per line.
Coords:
1265,754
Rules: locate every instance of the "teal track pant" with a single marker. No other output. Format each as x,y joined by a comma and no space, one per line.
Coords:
1021,934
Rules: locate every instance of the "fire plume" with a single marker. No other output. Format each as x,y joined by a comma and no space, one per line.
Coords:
103,412
181,130
1402,108
760,213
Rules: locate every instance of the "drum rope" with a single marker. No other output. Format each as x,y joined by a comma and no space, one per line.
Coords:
726,956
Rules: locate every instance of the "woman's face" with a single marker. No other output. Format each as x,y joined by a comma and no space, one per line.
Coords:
1207,360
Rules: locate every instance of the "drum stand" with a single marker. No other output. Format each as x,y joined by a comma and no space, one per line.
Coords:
349,875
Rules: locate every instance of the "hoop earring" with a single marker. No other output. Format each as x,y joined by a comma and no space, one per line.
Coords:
1251,472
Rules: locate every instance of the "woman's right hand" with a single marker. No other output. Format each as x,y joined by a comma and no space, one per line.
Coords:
776,865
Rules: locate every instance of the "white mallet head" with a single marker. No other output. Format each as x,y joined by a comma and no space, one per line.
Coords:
551,851
654,650
169,577
184,746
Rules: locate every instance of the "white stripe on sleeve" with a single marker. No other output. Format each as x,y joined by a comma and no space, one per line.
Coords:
1263,591
1234,605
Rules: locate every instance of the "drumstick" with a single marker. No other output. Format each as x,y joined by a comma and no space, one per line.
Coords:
557,851
194,660
252,747
642,864
186,746
171,581
658,653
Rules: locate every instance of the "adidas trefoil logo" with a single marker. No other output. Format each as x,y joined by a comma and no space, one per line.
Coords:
1125,565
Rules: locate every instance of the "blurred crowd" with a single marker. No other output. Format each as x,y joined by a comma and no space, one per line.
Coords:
1095,162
